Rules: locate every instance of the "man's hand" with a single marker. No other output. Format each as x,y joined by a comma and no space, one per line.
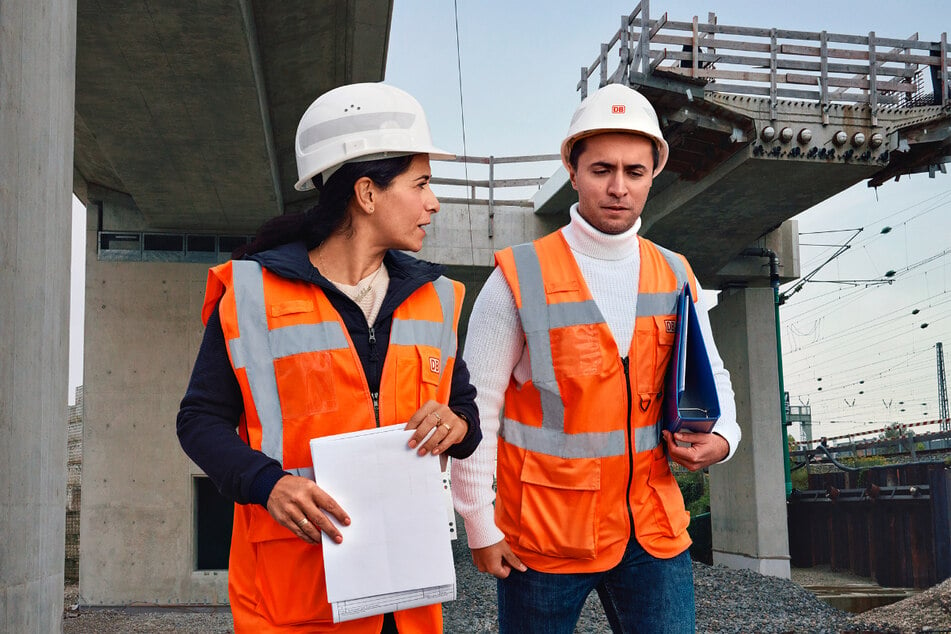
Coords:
703,450
302,507
497,560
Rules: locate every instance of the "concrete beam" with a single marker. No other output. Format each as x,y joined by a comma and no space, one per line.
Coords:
753,270
37,75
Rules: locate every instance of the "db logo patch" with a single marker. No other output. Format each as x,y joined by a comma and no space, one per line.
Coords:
670,325
434,364
618,109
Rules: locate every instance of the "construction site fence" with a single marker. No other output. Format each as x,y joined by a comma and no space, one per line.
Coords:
891,524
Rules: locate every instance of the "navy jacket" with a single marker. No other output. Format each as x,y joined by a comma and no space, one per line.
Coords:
212,406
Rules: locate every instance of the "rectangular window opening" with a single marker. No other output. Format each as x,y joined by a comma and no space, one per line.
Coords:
120,241
214,518
202,244
227,244
164,242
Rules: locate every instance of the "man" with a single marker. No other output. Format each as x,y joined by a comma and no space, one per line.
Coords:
586,500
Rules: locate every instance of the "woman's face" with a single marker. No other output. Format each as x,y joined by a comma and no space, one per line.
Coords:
402,210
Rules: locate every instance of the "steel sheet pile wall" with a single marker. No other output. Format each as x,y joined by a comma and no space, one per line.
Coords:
888,523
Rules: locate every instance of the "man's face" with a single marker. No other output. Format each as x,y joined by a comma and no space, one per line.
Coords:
613,177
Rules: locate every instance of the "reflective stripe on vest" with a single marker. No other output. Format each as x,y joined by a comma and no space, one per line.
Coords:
258,346
538,319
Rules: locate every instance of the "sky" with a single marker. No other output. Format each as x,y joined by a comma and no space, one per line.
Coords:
520,63
864,353
77,298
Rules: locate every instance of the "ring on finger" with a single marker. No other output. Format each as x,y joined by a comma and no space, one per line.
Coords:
448,428
303,522
437,417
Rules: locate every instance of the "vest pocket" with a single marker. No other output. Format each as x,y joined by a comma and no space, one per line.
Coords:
286,598
560,504
672,518
652,362
305,384
418,371
578,350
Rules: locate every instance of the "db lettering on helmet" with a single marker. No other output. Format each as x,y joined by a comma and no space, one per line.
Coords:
434,364
670,325
618,108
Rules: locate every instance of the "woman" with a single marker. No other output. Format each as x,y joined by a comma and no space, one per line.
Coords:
308,334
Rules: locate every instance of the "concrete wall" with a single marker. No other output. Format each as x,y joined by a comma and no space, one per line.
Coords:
74,471
459,234
37,75
143,328
748,493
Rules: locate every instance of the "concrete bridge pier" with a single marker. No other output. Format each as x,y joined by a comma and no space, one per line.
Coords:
748,493
37,79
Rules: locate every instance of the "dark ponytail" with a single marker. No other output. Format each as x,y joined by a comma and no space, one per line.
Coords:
330,214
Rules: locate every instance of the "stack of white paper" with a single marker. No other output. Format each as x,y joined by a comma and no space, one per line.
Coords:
396,553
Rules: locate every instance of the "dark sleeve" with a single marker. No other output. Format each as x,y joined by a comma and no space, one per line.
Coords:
207,423
462,401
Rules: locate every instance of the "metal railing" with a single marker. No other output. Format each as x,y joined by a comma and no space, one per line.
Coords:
492,182
933,443
775,63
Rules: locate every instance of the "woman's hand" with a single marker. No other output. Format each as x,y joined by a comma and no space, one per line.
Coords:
301,506
449,428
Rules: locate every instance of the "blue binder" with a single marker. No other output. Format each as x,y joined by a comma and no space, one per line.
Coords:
690,393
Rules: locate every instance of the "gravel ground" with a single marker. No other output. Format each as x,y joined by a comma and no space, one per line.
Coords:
728,600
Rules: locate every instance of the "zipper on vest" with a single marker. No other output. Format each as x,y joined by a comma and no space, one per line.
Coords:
626,364
374,359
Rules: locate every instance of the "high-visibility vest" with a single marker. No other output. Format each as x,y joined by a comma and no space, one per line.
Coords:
300,378
580,458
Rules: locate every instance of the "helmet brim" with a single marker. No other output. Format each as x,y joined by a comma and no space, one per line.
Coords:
659,142
307,182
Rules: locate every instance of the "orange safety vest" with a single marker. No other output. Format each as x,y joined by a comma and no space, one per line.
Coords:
580,457
300,378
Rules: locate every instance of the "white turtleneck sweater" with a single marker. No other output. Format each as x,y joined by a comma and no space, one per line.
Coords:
495,350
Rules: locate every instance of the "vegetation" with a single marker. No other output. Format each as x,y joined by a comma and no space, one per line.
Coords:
791,443
800,479
695,487
892,431
865,461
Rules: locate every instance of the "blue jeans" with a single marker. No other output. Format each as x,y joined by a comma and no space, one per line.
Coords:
640,594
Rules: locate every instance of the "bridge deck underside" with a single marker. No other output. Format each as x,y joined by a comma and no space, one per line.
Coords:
190,109
730,213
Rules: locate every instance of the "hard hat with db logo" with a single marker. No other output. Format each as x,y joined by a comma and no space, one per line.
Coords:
615,108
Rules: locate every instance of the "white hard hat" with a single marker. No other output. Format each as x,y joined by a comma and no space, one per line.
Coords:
360,122
615,108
